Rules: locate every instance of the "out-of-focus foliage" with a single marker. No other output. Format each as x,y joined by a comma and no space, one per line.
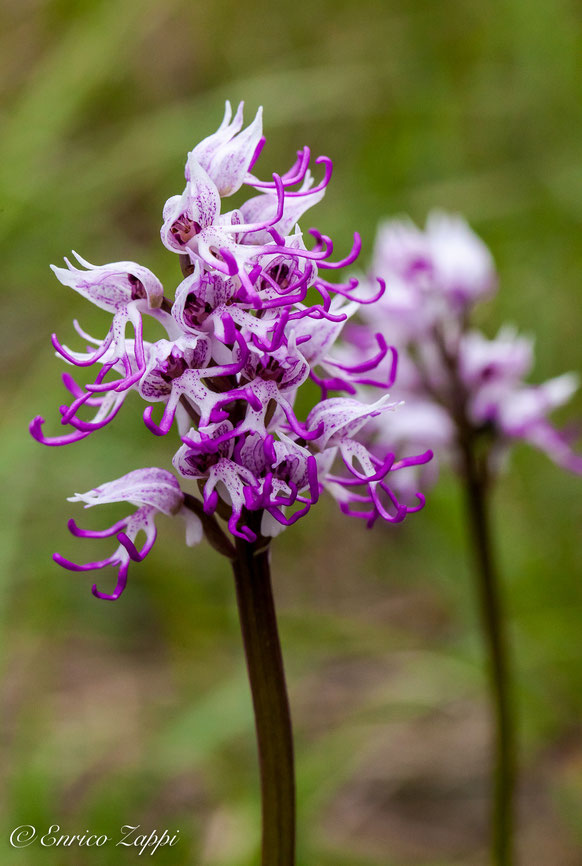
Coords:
137,712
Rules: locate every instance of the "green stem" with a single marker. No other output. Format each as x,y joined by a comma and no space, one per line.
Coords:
476,490
271,704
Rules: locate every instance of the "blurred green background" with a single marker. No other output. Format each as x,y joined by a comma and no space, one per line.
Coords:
138,712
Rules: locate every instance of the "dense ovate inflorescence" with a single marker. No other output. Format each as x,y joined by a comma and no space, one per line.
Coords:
252,321
457,384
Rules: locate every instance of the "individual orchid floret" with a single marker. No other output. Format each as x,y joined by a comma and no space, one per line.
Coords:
127,290
207,303
498,400
341,417
112,286
448,259
186,215
504,360
197,298
152,491
229,154
435,276
461,265
339,420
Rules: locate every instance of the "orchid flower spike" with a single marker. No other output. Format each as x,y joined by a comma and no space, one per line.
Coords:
455,381
251,322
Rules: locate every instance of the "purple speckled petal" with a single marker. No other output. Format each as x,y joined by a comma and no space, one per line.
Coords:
344,416
197,207
229,154
111,286
153,486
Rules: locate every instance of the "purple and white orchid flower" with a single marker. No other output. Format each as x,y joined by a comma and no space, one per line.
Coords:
251,322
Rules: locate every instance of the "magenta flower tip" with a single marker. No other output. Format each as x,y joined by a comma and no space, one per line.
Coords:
35,427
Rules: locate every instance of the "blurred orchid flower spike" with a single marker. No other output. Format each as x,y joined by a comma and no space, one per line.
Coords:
455,381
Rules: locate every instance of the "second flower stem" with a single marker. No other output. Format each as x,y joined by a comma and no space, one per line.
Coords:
271,704
476,490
